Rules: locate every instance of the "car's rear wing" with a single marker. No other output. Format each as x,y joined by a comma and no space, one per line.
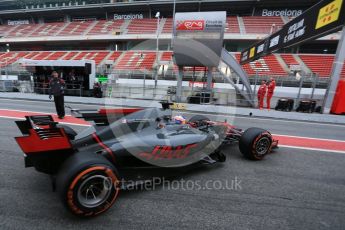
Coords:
41,135
44,144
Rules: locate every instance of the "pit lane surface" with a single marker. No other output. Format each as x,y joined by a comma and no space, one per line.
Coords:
290,189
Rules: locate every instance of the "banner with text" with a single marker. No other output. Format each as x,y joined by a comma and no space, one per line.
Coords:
324,18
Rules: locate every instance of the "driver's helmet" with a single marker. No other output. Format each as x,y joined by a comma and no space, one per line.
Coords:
179,120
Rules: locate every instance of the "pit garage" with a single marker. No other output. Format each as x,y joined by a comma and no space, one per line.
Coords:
79,75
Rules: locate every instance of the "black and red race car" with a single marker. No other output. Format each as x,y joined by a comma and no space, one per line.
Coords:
88,169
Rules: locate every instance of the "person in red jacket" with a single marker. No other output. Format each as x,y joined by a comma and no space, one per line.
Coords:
261,93
270,92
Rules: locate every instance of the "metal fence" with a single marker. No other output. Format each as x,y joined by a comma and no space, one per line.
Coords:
308,86
305,87
70,89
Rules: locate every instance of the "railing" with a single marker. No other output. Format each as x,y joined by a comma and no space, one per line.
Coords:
70,89
286,81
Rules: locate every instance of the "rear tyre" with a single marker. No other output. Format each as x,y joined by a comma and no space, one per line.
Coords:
255,143
88,184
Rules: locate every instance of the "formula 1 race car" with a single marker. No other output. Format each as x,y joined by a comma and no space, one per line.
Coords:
88,169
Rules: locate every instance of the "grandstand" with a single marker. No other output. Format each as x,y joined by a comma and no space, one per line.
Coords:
145,60
88,34
235,25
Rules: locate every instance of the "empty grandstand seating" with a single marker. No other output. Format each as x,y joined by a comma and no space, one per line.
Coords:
114,56
31,55
84,55
289,59
4,29
252,24
267,66
47,29
319,64
75,28
342,75
166,56
42,56
264,25
136,61
232,25
168,26
56,55
70,55
106,27
142,26
11,57
22,30
97,56
274,65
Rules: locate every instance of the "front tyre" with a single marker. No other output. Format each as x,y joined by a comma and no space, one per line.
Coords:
88,184
255,143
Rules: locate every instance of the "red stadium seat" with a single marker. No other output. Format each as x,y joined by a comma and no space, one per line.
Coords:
56,55
232,25
106,27
168,26
76,28
70,55
136,61
47,29
266,66
166,56
142,26
289,59
23,30
262,25
319,64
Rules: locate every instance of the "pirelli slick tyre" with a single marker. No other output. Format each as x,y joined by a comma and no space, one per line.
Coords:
255,143
88,184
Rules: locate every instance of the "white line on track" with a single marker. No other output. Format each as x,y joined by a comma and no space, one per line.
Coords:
270,119
309,138
29,111
65,123
311,149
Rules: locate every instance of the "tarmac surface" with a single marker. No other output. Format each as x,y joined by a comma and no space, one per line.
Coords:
292,188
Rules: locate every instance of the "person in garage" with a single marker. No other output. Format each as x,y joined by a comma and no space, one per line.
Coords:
56,89
270,91
261,94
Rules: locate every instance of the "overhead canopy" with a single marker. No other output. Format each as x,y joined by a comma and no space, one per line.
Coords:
30,62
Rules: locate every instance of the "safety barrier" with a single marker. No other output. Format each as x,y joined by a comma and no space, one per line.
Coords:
70,89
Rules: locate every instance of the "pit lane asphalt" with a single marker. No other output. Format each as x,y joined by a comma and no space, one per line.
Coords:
290,189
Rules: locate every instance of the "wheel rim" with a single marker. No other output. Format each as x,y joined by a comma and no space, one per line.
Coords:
262,146
94,191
